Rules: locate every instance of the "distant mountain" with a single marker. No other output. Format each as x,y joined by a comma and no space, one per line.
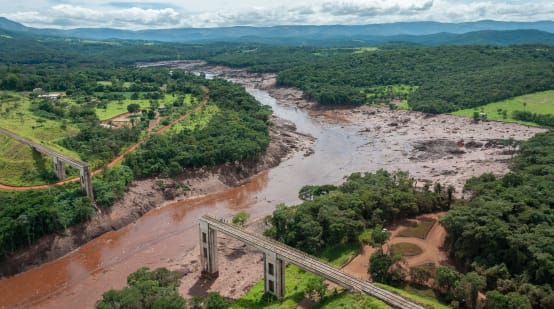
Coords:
422,33
10,25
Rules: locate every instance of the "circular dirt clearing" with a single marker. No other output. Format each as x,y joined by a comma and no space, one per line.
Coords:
407,249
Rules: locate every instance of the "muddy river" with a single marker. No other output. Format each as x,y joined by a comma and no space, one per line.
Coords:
162,236
78,279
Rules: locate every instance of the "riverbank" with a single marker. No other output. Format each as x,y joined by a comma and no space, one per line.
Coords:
144,195
167,236
433,148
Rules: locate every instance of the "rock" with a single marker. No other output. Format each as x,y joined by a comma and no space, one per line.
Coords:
473,144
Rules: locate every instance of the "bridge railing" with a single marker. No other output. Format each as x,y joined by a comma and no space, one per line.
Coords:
309,263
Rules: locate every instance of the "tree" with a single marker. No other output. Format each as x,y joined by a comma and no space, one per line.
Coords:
146,289
446,277
380,236
381,267
315,286
496,300
475,116
240,218
133,108
420,275
466,289
215,301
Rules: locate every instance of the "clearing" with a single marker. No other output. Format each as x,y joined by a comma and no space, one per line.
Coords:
538,102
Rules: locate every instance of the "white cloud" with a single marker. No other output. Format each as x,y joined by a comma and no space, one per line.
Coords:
145,14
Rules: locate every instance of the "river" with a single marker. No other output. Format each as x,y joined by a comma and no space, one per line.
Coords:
78,279
383,139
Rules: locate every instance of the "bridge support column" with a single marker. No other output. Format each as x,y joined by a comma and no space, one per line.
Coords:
208,249
59,168
274,274
86,181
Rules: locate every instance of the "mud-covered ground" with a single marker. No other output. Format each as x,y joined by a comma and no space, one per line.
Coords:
433,148
441,148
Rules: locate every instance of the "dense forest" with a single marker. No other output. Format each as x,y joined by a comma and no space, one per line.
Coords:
445,78
25,216
442,79
507,229
546,120
96,76
337,215
238,129
502,239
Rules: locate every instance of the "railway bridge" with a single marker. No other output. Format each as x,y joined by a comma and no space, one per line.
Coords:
59,160
276,255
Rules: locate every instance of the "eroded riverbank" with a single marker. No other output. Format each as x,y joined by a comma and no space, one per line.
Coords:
363,139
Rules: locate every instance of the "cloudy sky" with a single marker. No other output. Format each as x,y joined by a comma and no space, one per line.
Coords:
148,14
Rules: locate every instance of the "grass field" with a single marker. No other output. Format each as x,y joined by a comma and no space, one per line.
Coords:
115,108
420,296
341,254
407,249
420,230
17,165
351,301
539,102
197,120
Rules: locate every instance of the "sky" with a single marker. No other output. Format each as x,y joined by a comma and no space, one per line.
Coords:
148,14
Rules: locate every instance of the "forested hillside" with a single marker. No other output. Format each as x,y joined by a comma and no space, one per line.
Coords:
507,229
444,79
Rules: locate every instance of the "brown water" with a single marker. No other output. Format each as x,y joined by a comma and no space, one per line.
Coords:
78,279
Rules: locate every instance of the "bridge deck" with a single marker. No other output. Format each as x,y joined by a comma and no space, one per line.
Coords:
310,263
45,150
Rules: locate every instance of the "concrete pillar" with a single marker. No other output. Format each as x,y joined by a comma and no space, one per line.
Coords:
59,168
208,249
274,274
86,181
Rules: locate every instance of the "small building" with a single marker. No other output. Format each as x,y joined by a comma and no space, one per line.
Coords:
52,95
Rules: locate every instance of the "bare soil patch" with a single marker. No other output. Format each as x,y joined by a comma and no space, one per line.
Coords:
416,251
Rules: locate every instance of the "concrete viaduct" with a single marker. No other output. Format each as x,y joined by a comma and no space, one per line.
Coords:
276,255
59,162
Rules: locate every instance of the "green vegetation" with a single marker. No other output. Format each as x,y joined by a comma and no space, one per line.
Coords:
541,103
239,130
351,301
301,284
441,79
198,120
339,255
19,117
506,231
95,83
364,200
240,218
25,216
413,295
147,289
407,249
420,230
